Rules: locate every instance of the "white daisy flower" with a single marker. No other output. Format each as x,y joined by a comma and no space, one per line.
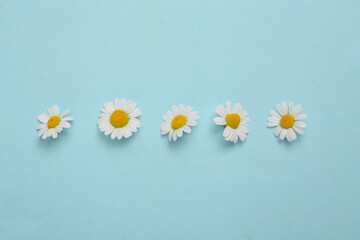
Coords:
287,123
52,123
234,120
119,119
179,120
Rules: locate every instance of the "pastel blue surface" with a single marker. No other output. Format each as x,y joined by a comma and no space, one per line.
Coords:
81,54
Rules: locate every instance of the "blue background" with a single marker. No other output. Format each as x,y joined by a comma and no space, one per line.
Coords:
81,54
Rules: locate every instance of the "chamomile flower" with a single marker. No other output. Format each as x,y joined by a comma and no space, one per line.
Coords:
179,120
234,120
119,119
52,123
287,121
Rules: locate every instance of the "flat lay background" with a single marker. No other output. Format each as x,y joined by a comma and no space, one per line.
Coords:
81,54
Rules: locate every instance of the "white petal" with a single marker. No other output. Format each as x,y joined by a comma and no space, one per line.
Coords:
279,109
274,114
51,132
194,115
51,111
181,109
105,111
226,134
41,126
104,119
284,108
109,106
170,114
42,131
188,110
298,130
135,113
131,127
104,128
131,106
244,121
227,131
44,118
117,103
234,137
292,134
109,130
179,132
130,133
127,106
136,122
283,134
243,114
187,129
277,131
120,133
123,104
221,111
272,124
230,135
165,128
170,134
274,120
166,118
228,107
56,110
291,108
241,135
54,134
175,135
244,129
58,128
237,108
191,123
297,110
288,137
47,134
65,124
114,133
104,123
175,110
64,113
68,118
219,121
226,138
301,116
300,124
127,132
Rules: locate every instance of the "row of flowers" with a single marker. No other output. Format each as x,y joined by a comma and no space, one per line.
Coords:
120,119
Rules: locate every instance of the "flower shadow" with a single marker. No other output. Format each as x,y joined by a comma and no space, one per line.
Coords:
51,143
179,143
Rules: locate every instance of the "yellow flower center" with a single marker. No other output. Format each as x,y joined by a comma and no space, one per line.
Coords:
178,121
53,122
119,118
233,120
287,121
